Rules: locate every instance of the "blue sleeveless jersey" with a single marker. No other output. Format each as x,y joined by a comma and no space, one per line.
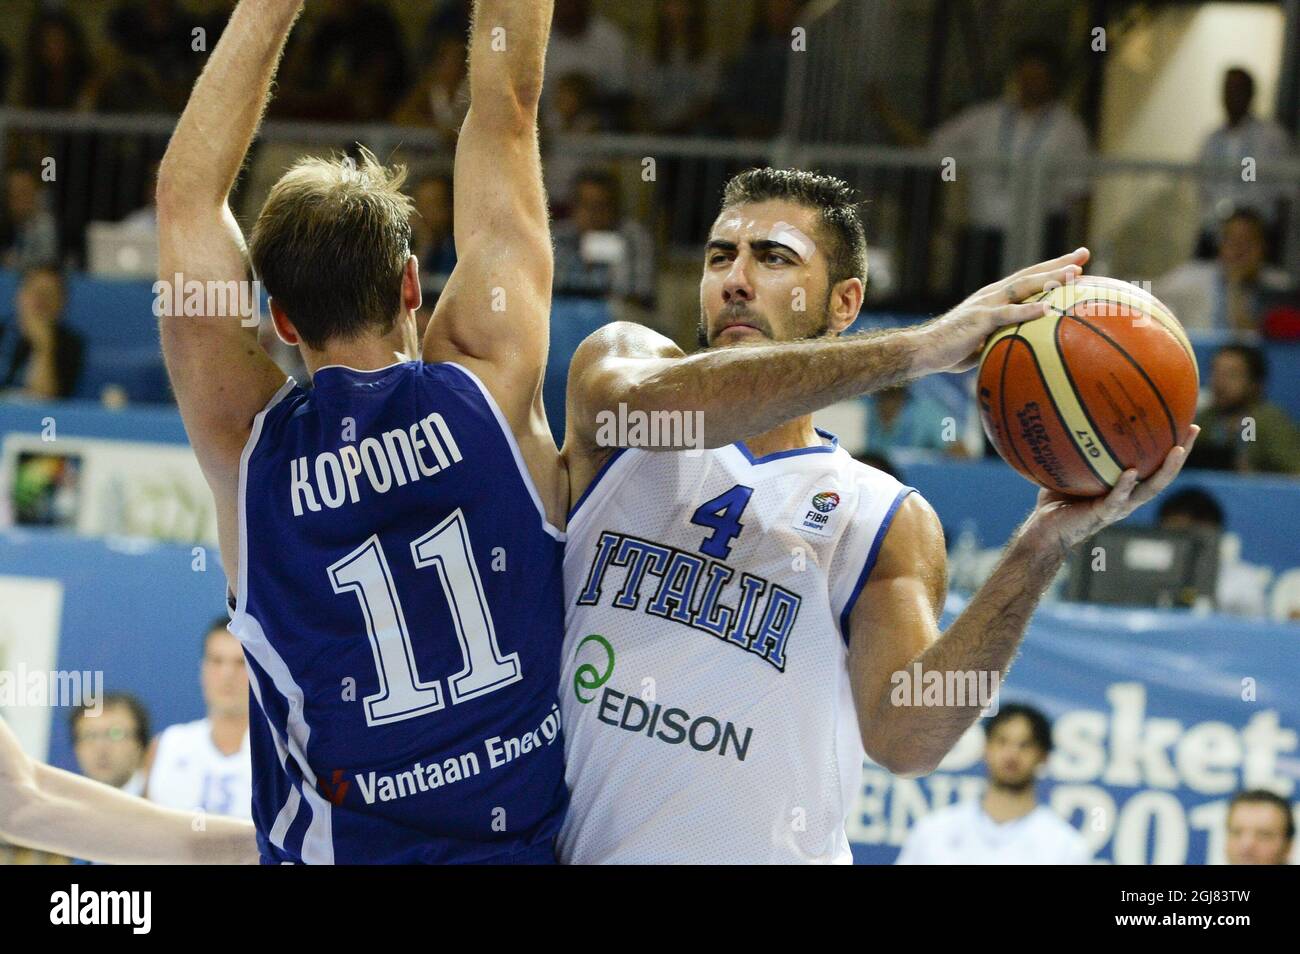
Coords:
401,609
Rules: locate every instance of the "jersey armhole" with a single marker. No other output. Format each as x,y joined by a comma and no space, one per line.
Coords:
241,585
873,551
509,435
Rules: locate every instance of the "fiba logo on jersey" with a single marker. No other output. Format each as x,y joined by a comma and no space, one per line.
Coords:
817,518
826,501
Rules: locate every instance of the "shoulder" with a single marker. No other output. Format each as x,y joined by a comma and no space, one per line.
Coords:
1066,837
622,339
942,820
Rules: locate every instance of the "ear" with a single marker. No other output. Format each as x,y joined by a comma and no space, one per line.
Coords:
283,326
845,303
412,297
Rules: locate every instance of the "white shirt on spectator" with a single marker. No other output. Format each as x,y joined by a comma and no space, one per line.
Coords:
998,129
1259,139
600,54
1196,292
964,834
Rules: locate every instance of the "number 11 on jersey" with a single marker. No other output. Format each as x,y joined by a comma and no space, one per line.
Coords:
402,694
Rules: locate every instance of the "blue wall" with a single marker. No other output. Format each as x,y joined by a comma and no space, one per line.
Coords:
136,611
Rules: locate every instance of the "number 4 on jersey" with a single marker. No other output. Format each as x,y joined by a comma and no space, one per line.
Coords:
722,515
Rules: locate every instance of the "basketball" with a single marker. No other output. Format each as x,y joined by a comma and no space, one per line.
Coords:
1107,382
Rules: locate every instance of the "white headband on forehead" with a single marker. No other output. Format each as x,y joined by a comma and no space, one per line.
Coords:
792,238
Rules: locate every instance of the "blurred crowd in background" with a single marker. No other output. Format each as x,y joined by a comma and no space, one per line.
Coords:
677,78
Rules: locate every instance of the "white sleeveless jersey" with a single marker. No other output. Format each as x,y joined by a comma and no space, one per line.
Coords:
708,715
190,773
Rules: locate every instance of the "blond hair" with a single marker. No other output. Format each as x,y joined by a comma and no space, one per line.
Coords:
330,245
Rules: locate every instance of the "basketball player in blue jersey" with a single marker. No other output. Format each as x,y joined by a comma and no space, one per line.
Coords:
390,537
736,617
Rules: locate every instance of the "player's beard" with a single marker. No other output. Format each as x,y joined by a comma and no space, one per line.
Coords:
822,329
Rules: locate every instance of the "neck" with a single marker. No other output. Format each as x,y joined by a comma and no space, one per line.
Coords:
366,354
1004,804
788,436
228,731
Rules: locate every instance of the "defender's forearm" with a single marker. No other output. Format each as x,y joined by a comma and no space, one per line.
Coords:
982,641
507,51
71,815
744,391
225,109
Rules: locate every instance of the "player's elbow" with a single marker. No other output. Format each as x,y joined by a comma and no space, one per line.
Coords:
897,756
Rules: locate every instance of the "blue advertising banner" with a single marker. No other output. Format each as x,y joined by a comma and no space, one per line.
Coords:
1159,717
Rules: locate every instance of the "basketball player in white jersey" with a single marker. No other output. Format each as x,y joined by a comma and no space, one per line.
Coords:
735,616
204,765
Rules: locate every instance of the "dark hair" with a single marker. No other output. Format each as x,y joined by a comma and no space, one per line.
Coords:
880,462
834,198
1244,74
1262,796
138,712
218,623
696,34
38,92
601,177
1256,362
1040,728
1195,503
1037,50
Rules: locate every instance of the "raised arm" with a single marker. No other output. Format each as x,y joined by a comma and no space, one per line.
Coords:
746,390
494,312
895,622
48,809
221,376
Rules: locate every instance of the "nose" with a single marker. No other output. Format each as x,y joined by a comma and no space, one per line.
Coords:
736,286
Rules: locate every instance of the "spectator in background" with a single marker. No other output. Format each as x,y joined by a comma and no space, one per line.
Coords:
39,356
588,44
29,236
110,746
677,83
432,238
450,19
205,765
441,97
57,66
1241,431
573,112
600,253
1241,587
1029,123
753,89
1242,136
899,418
1232,292
154,62
4,73
351,67
1261,829
1008,825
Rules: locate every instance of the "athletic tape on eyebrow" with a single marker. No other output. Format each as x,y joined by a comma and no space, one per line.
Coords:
792,238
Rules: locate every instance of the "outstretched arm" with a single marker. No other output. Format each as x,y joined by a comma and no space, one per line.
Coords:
221,376
746,390
48,809
895,623
494,312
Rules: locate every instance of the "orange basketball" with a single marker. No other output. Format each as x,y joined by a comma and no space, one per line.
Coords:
1073,399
